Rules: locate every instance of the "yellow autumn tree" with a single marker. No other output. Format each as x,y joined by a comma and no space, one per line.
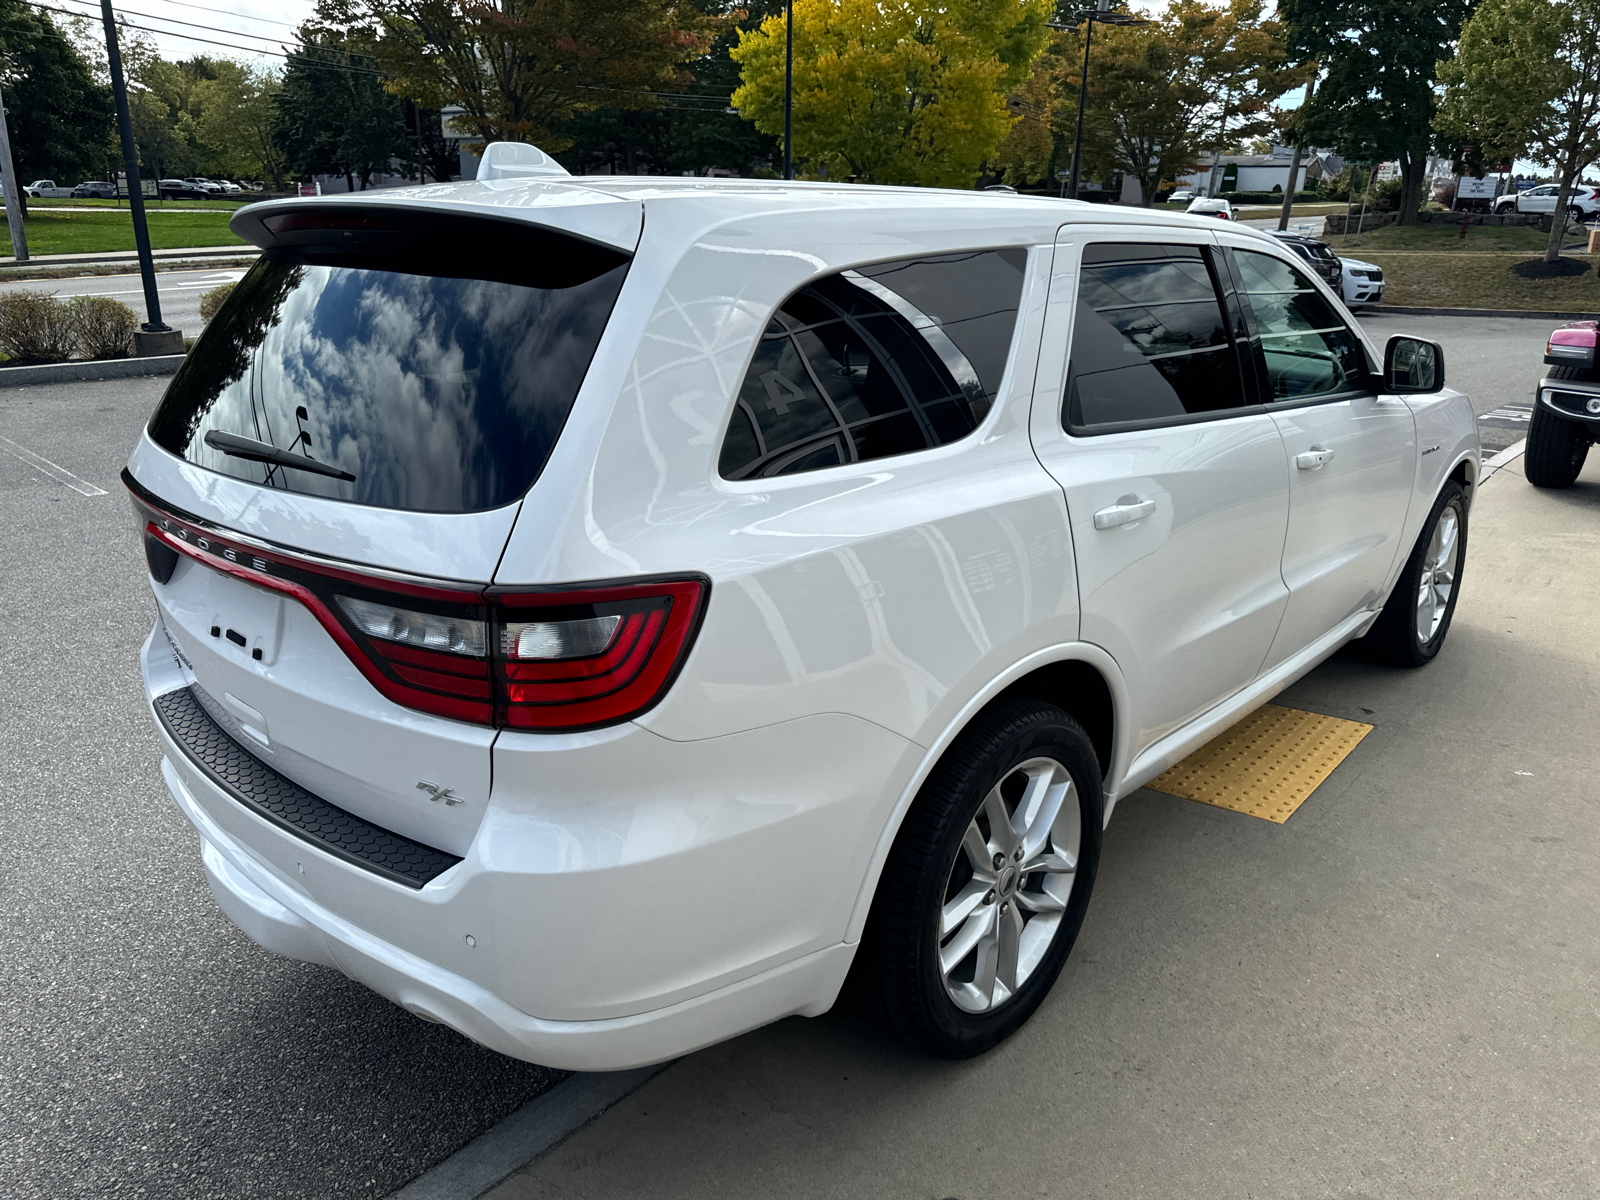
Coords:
893,91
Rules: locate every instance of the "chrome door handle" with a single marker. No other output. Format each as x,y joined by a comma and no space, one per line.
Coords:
1313,458
1124,512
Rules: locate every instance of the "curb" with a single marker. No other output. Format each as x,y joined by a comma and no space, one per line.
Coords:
1504,459
102,368
1401,310
525,1134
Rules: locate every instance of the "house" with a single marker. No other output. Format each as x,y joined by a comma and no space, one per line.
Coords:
1263,172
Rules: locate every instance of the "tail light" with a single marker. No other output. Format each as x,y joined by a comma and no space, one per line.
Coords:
552,659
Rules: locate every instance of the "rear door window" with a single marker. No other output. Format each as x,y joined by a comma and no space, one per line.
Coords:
1151,340
876,361
431,376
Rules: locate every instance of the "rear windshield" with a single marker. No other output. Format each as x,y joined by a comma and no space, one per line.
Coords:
431,391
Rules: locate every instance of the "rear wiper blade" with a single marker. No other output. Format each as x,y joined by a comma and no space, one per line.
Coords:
243,447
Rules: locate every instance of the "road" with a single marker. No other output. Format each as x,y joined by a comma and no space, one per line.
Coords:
149,1050
178,291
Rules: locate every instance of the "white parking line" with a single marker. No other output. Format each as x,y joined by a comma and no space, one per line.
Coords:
46,467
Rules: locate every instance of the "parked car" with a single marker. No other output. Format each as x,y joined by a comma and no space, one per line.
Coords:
1362,282
1566,408
1583,203
1205,206
1183,195
206,186
47,189
1315,252
600,626
95,190
180,189
227,185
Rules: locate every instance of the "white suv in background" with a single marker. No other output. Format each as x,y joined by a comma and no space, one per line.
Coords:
602,614
1583,203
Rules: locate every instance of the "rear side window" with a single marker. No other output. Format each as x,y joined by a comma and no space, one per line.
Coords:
1150,339
1307,350
876,361
401,377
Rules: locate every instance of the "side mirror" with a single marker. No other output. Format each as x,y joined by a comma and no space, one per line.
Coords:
1413,365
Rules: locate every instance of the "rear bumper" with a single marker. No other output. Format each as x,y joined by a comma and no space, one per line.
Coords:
627,899
295,927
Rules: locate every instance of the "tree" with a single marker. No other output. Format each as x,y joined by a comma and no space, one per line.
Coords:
893,91
236,120
1377,98
334,115
1244,60
1525,82
523,68
59,117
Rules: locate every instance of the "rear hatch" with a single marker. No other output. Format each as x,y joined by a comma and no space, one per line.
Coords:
329,481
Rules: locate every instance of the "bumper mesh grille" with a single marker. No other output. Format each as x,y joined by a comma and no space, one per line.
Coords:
285,803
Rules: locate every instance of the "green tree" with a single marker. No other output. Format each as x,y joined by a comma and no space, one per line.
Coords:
1244,62
894,91
334,115
235,119
59,116
1525,82
1377,98
522,69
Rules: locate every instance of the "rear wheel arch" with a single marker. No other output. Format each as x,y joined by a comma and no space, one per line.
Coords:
1080,678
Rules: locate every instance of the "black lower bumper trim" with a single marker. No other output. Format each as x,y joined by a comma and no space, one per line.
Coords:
285,803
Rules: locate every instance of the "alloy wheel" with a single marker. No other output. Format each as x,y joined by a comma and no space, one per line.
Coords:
1008,885
1438,574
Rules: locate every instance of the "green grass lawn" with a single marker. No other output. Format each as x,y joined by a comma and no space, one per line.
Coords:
1483,281
101,230
1434,238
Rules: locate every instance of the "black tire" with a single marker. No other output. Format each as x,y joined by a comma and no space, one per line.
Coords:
897,969
1556,447
1395,638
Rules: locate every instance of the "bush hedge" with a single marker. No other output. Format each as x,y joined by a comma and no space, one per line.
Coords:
35,327
212,300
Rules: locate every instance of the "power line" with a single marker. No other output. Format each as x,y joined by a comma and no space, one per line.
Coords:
242,16
302,57
128,12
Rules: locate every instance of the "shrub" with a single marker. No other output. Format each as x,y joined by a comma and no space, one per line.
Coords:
212,300
101,327
34,327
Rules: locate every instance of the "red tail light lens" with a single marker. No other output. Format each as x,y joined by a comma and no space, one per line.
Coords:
594,657
557,659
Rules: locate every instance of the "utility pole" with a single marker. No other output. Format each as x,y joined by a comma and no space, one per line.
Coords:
1294,164
788,87
8,175
1103,13
155,336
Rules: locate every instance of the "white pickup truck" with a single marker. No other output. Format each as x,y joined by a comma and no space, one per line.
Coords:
46,189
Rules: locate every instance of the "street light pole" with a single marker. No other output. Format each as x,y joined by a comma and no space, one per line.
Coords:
788,87
8,175
1083,97
1101,12
158,337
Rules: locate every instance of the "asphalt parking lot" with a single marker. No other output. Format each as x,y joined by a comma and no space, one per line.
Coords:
1333,1007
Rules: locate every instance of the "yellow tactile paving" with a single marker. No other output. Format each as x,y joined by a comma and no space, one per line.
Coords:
1266,765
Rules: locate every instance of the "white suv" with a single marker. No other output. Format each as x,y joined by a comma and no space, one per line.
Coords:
1583,203
601,614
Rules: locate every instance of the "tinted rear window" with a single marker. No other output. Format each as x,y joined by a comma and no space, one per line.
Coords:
437,392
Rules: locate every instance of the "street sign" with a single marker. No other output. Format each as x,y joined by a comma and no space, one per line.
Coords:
1469,188
1063,174
147,187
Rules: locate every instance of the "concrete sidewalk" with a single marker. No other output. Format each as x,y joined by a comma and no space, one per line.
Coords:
1397,994
130,257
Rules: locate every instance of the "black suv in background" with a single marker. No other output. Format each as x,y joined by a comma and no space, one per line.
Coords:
1323,260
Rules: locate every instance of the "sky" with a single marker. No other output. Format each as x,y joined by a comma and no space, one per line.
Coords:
254,30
